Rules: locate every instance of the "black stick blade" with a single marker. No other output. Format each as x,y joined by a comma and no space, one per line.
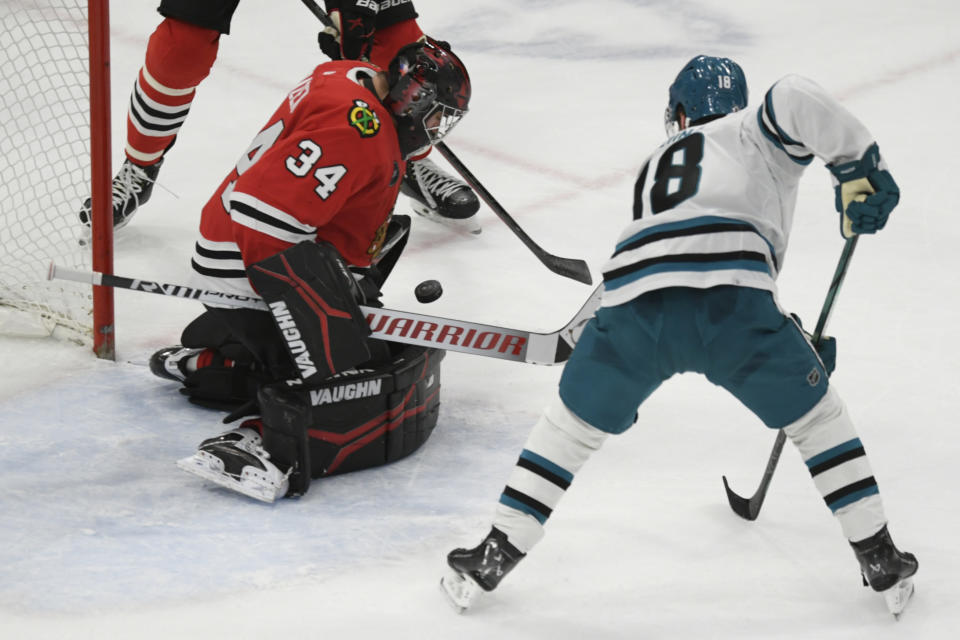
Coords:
746,509
569,267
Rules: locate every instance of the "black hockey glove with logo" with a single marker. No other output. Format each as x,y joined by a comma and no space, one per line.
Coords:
352,39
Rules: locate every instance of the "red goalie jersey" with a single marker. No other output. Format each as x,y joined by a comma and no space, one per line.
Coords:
327,167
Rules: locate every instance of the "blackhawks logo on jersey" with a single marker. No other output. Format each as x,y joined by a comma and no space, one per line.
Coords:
363,119
378,239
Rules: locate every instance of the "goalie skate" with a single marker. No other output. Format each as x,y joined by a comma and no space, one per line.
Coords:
237,461
170,362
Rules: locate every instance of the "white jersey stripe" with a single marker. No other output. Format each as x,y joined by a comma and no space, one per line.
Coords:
218,266
264,218
162,88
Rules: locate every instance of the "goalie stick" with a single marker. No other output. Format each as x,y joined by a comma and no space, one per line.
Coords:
407,327
749,509
567,267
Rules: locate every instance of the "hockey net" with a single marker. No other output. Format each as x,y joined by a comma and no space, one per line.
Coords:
44,166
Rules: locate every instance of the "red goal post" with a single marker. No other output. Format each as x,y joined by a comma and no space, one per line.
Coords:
55,124
101,174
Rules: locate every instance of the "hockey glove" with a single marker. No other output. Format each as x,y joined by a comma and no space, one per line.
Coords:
826,349
313,299
865,193
352,39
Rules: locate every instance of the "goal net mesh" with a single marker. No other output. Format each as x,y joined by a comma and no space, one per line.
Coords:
44,166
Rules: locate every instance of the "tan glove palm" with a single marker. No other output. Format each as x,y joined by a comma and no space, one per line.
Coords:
865,193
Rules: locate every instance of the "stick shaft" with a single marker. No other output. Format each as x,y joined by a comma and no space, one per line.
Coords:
407,327
567,267
750,508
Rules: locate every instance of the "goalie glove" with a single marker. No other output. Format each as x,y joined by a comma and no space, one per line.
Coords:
865,193
352,38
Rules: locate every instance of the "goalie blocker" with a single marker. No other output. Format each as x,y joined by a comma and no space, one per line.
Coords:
363,418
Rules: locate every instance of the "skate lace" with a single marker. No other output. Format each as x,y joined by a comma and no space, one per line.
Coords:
129,183
435,184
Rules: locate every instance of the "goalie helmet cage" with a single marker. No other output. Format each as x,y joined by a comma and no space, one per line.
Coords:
55,124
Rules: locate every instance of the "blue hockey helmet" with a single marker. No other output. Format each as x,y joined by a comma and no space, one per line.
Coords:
707,86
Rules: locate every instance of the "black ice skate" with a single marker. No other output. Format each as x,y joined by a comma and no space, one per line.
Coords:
132,187
482,567
440,197
886,569
237,460
178,362
171,362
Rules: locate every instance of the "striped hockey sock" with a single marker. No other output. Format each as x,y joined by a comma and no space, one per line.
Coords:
179,56
839,466
558,446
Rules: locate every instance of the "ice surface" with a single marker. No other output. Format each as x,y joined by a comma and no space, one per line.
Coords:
101,536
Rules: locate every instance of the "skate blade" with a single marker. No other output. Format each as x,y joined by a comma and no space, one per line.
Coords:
203,465
460,590
898,596
463,225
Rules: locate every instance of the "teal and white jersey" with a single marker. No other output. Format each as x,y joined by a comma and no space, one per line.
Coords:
714,204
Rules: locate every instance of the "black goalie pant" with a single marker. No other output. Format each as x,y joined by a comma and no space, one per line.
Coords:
250,342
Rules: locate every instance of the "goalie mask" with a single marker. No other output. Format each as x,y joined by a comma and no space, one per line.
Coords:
707,86
429,92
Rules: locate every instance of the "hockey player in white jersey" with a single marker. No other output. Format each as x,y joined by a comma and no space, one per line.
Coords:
691,287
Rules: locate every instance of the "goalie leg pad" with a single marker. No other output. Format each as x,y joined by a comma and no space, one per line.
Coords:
311,295
283,415
360,419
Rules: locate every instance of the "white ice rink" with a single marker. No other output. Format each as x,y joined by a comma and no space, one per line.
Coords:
102,537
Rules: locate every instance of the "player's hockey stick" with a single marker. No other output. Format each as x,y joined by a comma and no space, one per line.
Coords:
320,14
464,336
749,509
566,267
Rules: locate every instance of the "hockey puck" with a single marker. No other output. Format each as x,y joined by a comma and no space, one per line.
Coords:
428,291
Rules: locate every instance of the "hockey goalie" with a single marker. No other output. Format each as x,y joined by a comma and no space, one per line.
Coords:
304,222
